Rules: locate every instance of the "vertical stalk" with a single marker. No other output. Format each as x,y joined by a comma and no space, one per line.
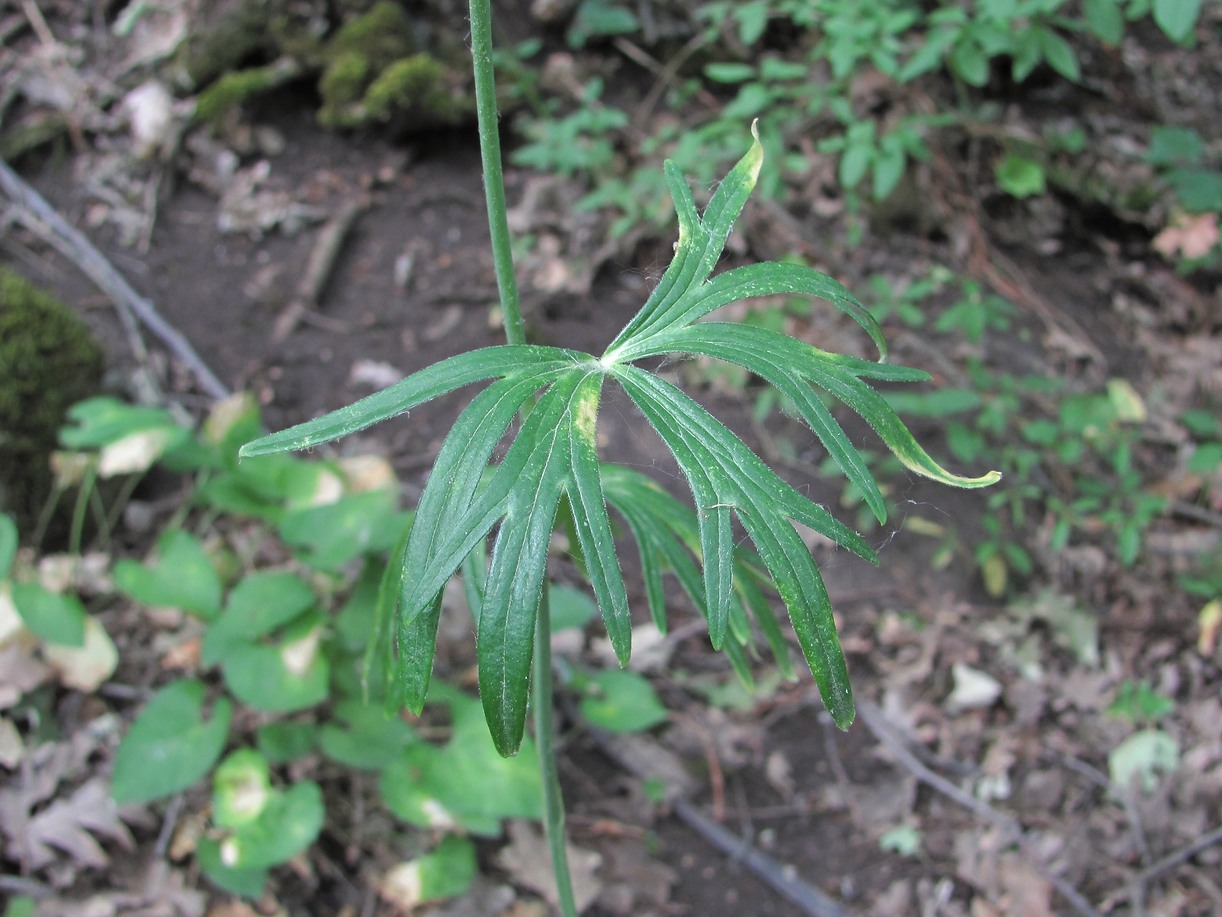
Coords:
515,333
494,179
545,730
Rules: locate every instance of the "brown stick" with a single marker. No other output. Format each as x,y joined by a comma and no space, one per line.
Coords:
319,267
876,721
33,212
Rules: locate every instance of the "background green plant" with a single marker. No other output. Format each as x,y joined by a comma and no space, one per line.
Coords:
793,64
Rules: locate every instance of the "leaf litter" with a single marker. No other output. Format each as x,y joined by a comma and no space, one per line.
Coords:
1032,744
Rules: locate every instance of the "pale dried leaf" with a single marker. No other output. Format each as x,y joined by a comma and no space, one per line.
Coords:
84,667
529,861
135,452
364,473
635,883
1190,235
11,625
973,690
779,772
20,670
1028,894
69,825
484,898
12,749
376,374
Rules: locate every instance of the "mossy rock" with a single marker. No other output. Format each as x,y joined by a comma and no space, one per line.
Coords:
378,71
50,362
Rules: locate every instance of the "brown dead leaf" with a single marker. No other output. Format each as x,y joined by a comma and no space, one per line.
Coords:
87,666
1027,893
635,883
235,909
779,773
12,749
1209,623
482,899
20,669
529,861
68,826
896,901
183,656
1190,235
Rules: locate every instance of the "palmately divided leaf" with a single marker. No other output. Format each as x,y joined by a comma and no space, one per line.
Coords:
554,458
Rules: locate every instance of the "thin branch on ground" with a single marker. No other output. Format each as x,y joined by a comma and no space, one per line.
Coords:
876,721
784,881
319,267
33,212
1185,853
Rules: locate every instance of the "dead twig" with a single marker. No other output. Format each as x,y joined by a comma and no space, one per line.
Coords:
32,211
804,896
1178,857
878,724
319,267
807,898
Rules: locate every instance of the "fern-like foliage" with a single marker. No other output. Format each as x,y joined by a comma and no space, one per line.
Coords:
553,461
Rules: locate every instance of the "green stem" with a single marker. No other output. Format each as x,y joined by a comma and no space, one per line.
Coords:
553,800
515,333
494,179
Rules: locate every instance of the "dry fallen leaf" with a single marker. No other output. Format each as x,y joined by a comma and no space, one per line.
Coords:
1190,235
974,689
66,825
635,883
84,667
529,861
12,749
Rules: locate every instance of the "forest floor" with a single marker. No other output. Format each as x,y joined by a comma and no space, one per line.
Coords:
979,778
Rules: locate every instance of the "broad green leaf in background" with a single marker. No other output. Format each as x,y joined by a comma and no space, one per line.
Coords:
620,701
20,906
552,462
52,617
1019,176
103,421
430,785
571,608
241,788
286,825
1138,702
130,439
8,544
247,883
364,736
181,575
1177,18
281,742
170,745
444,872
257,606
291,674
1141,758
331,535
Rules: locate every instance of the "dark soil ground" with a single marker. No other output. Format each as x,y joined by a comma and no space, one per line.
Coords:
414,284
